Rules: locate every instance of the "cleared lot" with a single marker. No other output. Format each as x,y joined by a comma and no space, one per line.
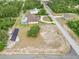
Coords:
49,41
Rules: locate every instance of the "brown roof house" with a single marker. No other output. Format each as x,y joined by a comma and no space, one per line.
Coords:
30,19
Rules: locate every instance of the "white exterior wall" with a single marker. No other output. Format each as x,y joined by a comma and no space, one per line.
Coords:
32,22
44,0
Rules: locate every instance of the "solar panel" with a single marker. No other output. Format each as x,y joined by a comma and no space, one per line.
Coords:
14,35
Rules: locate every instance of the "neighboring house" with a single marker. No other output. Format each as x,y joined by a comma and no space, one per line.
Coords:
14,34
34,11
30,19
13,38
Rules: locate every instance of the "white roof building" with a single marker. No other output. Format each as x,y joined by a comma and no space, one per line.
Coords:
34,11
44,0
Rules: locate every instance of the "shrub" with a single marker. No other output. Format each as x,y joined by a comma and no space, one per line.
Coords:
33,32
74,25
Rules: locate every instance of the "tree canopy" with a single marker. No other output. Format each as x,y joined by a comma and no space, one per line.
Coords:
30,4
11,9
64,6
33,32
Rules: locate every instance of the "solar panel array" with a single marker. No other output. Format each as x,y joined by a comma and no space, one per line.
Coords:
14,35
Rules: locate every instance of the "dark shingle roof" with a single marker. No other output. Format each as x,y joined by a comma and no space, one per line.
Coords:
14,35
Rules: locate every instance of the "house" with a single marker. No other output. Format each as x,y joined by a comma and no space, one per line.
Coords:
34,11
13,38
14,34
30,19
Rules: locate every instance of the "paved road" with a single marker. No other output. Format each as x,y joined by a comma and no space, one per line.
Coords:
38,57
68,37
71,53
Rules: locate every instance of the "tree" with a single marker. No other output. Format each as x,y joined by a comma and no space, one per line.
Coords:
30,4
12,9
42,12
64,6
33,32
74,25
3,39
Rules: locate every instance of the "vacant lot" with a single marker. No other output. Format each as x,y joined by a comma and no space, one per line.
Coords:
50,40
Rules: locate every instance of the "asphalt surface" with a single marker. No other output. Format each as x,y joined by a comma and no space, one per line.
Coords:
71,53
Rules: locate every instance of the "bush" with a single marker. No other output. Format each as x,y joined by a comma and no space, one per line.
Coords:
74,25
33,32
